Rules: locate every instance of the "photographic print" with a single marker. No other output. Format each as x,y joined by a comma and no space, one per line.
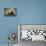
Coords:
9,11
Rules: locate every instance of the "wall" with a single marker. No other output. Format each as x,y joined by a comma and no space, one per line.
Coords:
28,12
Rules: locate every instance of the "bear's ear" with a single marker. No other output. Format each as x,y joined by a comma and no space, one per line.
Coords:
8,38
